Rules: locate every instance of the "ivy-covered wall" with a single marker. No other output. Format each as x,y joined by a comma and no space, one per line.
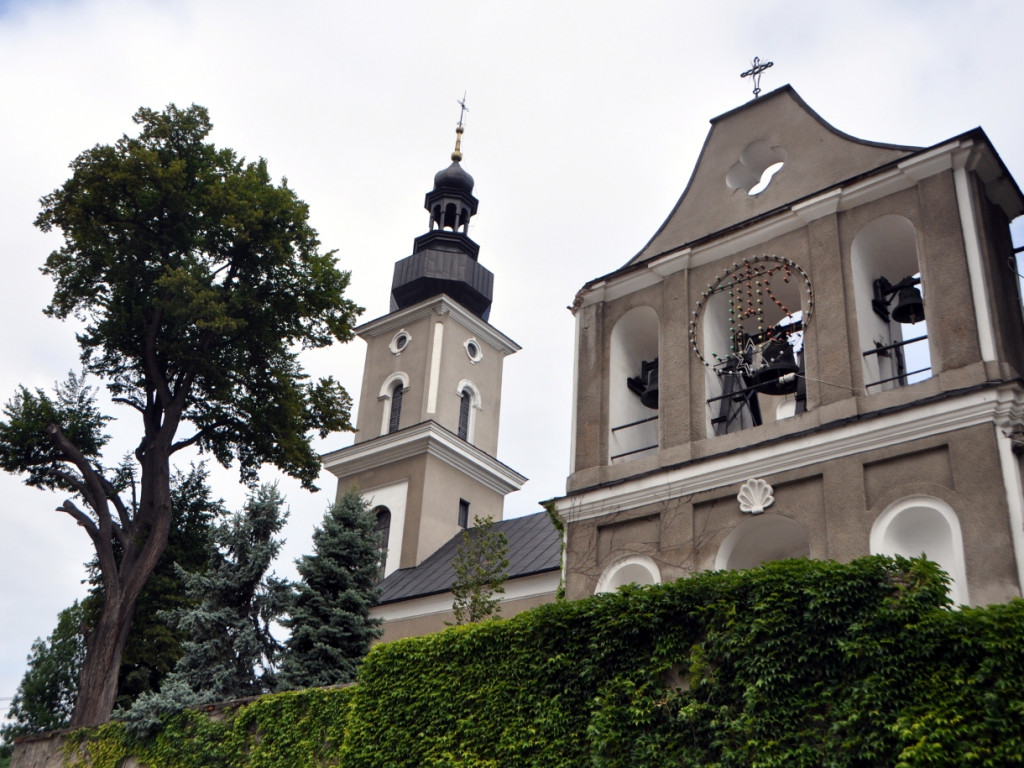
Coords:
797,663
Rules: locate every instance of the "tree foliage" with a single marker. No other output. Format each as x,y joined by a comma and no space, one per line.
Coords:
481,569
48,690
197,282
198,279
229,650
330,622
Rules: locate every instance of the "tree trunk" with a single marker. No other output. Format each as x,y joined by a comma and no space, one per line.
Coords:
105,643
145,543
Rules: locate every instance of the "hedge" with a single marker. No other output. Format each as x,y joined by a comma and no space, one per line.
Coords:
796,663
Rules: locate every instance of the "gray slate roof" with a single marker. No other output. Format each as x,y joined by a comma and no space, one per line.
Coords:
533,547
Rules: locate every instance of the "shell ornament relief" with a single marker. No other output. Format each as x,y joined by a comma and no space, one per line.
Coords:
755,496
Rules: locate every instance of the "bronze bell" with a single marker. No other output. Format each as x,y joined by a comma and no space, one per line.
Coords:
646,384
649,372
776,361
909,306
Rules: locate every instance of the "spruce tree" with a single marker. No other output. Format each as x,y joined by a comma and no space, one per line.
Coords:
330,622
230,652
46,696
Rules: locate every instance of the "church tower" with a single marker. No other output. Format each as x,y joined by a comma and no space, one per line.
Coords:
820,353
427,423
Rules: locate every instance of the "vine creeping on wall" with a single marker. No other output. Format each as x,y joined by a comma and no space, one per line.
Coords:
795,663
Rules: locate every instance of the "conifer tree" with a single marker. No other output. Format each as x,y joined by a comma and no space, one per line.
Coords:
47,693
230,651
481,568
330,622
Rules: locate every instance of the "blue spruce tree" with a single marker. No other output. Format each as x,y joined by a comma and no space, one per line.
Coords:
330,622
229,652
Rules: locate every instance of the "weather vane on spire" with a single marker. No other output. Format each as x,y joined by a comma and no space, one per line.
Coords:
463,109
756,68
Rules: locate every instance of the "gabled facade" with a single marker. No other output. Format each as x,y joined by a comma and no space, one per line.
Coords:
818,354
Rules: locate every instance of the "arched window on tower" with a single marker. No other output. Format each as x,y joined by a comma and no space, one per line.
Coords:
748,331
465,405
636,569
633,386
450,214
469,404
391,394
924,525
762,538
382,532
396,408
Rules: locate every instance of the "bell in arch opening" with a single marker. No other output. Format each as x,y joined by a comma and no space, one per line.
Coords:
646,384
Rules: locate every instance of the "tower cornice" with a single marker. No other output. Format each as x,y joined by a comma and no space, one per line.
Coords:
430,438
439,305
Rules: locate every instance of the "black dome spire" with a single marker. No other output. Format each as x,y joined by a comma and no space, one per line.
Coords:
454,179
444,259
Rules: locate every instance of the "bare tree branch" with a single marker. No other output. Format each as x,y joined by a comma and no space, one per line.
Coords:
192,440
129,402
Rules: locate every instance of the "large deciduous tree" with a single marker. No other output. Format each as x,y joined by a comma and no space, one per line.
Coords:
197,281
46,696
330,622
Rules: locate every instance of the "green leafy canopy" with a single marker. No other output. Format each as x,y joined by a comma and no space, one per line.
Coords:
196,275
25,446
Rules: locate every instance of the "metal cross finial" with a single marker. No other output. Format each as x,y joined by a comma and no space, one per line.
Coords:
756,68
463,109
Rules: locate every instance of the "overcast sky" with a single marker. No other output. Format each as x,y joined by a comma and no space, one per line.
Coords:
585,120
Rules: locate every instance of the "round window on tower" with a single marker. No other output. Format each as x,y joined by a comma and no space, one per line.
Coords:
473,350
400,342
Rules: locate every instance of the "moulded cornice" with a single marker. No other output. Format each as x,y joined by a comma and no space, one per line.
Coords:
818,207
1003,406
998,187
425,438
439,305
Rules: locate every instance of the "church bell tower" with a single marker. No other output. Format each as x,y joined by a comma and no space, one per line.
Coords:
427,423
820,353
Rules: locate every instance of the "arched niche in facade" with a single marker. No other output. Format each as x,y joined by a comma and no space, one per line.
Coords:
924,525
886,249
382,532
748,331
637,569
633,426
762,538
